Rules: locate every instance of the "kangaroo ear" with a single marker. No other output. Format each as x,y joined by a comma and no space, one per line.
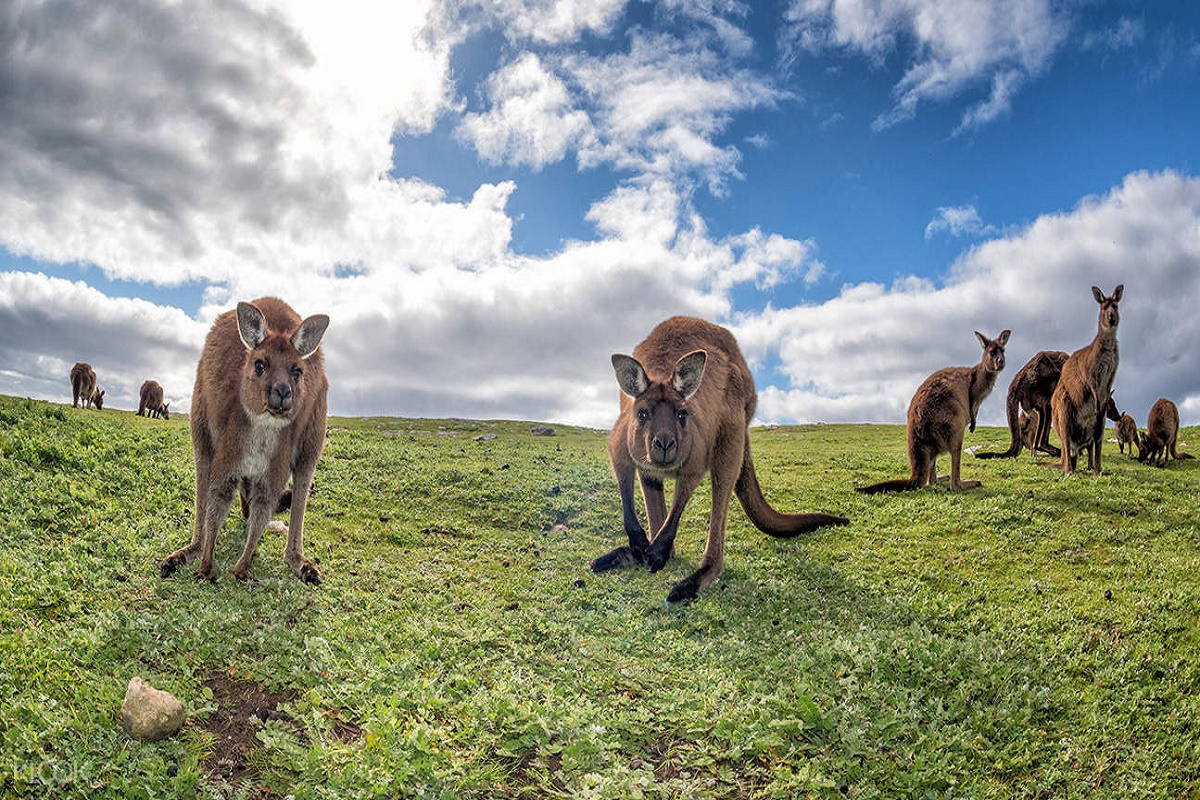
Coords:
983,340
631,377
1117,292
1002,339
252,326
688,372
308,336
1096,293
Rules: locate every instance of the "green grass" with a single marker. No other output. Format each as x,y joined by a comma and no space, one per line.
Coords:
1038,637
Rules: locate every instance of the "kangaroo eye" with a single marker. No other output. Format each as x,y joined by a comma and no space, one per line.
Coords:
643,415
260,367
296,373
682,416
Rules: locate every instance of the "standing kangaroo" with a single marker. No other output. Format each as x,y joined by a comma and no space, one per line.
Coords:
1127,432
83,387
1162,431
258,414
945,404
150,401
1031,389
1085,388
686,405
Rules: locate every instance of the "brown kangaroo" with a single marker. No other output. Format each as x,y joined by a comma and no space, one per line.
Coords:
1127,433
943,406
1084,390
1031,389
150,401
83,387
1162,431
686,405
258,414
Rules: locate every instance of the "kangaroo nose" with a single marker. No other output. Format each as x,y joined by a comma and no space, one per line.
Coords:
280,398
664,448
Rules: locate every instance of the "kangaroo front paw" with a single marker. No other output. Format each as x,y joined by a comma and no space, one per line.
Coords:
621,557
167,567
310,574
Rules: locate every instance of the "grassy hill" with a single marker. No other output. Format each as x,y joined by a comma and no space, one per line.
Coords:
1038,637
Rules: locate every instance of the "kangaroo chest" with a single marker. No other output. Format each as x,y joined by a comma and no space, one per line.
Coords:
262,442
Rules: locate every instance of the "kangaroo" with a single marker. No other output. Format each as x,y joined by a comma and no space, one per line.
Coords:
1080,400
258,414
1162,431
83,387
686,405
150,401
946,403
1031,389
1027,425
1127,433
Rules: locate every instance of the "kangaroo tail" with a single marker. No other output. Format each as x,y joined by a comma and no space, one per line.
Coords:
1013,407
899,485
766,518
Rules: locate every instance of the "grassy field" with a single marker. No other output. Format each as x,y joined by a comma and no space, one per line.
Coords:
1036,638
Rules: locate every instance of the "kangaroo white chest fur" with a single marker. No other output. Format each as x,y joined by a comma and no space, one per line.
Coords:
262,440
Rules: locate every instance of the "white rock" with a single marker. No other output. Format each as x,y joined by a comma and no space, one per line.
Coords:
150,714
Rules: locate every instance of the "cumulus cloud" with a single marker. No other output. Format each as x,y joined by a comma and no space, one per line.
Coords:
861,355
658,108
956,45
531,121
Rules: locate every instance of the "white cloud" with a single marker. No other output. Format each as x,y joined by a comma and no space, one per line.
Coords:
861,355
532,119
1126,33
659,107
958,221
540,21
956,45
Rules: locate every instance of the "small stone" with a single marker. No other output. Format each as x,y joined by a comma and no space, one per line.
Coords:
485,437
579,584
1108,594
277,526
542,430
149,714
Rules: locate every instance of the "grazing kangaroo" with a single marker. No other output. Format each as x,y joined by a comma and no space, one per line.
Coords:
1127,433
1031,389
83,387
150,401
258,414
686,405
1084,390
1162,431
943,406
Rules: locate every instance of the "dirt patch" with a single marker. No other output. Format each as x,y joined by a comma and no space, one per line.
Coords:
243,706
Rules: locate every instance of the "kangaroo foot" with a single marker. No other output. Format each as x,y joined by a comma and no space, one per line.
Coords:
621,557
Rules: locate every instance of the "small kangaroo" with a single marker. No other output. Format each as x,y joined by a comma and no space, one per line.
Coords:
1031,389
258,414
150,401
1127,433
943,406
1080,400
686,405
1162,431
83,387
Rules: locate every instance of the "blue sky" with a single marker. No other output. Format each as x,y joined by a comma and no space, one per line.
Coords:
489,198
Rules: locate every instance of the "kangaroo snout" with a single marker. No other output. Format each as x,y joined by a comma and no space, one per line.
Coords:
663,448
279,398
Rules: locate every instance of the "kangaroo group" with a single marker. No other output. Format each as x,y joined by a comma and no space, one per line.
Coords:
687,399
